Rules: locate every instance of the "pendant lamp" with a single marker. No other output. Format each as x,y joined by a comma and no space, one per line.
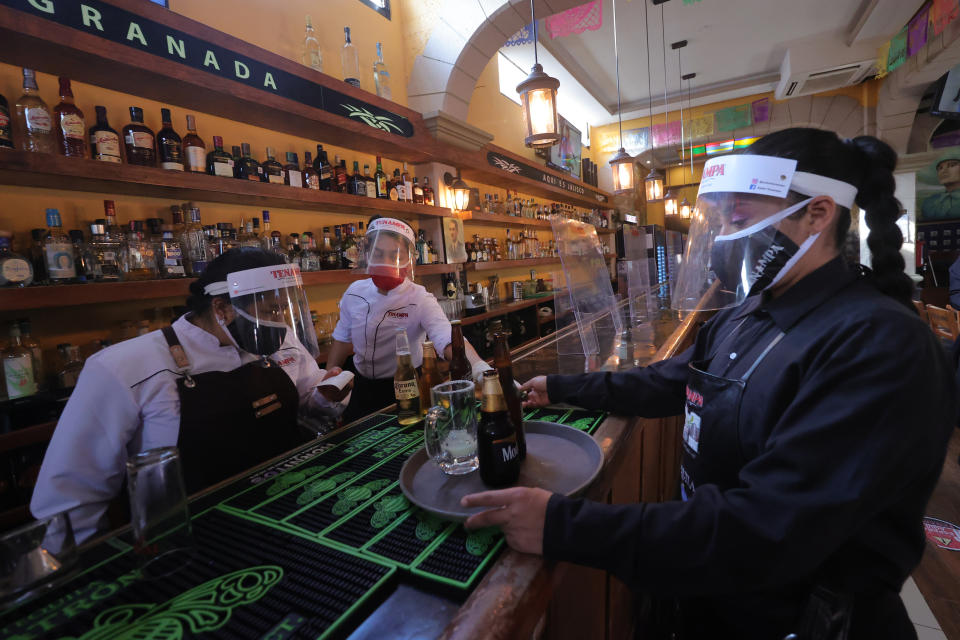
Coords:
683,207
653,183
622,162
686,209
461,192
538,96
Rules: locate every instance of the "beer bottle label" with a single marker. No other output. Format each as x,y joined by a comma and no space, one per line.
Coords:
405,389
505,449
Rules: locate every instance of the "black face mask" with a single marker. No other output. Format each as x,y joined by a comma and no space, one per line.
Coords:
764,253
256,338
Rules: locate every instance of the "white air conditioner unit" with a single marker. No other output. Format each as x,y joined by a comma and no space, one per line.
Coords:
799,79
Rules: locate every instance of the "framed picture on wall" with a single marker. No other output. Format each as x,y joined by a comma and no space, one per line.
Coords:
454,245
938,188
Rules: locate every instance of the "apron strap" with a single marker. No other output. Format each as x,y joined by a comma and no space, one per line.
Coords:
179,355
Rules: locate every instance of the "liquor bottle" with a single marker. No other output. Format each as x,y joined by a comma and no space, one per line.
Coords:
138,140
33,118
325,172
459,365
58,251
84,261
265,241
38,259
194,149
219,162
428,195
434,256
311,179
272,170
18,367
15,270
69,373
141,259
170,256
311,55
291,171
395,189
357,185
293,249
107,250
275,244
328,256
381,181
312,256
169,144
339,175
104,140
338,245
248,168
247,237
429,375
498,444
381,77
405,387
350,60
371,183
350,249
501,360
237,155
407,194
6,125
70,127
417,192
421,246
26,339
193,243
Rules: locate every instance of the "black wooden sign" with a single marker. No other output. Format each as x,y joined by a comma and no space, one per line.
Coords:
512,166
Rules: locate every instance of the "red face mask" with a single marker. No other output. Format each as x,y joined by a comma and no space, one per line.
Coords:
387,278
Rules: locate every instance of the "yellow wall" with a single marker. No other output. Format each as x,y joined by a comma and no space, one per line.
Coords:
497,114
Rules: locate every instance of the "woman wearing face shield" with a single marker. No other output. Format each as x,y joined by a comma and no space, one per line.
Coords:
371,311
817,411
224,383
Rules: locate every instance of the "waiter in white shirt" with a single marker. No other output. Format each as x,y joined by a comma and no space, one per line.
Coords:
373,309
224,383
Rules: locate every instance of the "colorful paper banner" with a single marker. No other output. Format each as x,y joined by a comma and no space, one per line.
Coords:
666,134
733,117
898,50
636,141
761,110
524,36
586,17
702,127
917,31
883,54
942,13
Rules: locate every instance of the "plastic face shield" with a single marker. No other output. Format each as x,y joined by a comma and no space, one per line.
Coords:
744,232
270,304
388,250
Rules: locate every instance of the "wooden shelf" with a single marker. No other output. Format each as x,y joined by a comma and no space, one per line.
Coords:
25,437
23,168
433,269
498,220
505,308
510,264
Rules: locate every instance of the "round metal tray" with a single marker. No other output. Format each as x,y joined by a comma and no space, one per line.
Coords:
560,459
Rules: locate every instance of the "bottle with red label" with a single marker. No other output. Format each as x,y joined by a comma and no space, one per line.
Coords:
104,140
33,118
139,141
6,127
194,149
169,144
71,129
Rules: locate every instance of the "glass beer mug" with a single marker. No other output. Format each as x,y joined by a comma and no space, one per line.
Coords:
450,428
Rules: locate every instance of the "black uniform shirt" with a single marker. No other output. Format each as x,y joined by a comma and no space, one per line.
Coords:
843,430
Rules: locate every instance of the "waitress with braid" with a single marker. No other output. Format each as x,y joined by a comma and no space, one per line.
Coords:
817,411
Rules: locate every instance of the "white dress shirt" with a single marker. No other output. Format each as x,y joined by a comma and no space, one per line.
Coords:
369,320
126,401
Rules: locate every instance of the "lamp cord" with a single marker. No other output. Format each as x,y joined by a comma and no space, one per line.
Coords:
663,38
533,18
690,111
616,54
646,32
683,158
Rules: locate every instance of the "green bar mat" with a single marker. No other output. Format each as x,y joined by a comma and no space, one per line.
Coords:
583,419
245,581
368,520
380,427
459,557
405,540
547,414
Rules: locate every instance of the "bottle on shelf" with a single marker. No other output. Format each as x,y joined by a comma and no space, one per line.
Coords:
107,250
265,241
237,155
504,367
138,140
6,124
18,367
371,183
418,197
429,375
498,444
291,171
293,249
69,373
58,251
104,140
380,180
247,168
310,257
311,179
324,171
193,243
381,76
311,56
338,245
194,149
421,246
27,340
15,270
272,170
141,259
405,386
34,121
396,186
169,144
350,61
328,256
350,248
219,162
170,255
357,185
339,175
85,261
407,194
459,365
70,127
38,258
428,193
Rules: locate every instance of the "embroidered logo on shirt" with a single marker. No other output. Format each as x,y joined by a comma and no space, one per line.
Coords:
287,361
397,314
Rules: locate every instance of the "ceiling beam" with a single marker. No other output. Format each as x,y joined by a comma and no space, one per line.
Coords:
859,19
758,81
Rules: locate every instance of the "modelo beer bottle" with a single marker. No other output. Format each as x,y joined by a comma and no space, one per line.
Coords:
497,449
459,366
504,366
405,387
429,375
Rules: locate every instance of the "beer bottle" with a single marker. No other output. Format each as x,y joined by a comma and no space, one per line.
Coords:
501,361
459,366
405,387
497,450
429,375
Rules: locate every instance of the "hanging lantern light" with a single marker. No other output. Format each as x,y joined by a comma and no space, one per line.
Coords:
538,97
622,163
653,184
461,192
671,203
685,209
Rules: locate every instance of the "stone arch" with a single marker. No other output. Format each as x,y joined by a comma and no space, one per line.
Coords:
467,34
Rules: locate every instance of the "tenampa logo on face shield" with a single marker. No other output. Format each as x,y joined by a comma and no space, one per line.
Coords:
714,171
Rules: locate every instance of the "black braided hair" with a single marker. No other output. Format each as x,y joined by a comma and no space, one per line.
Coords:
238,259
867,163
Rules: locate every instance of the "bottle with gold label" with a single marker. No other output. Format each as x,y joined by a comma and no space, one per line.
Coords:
33,118
429,375
405,385
497,448
18,367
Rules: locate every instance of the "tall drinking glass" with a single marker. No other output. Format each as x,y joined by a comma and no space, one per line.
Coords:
34,558
450,428
163,538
